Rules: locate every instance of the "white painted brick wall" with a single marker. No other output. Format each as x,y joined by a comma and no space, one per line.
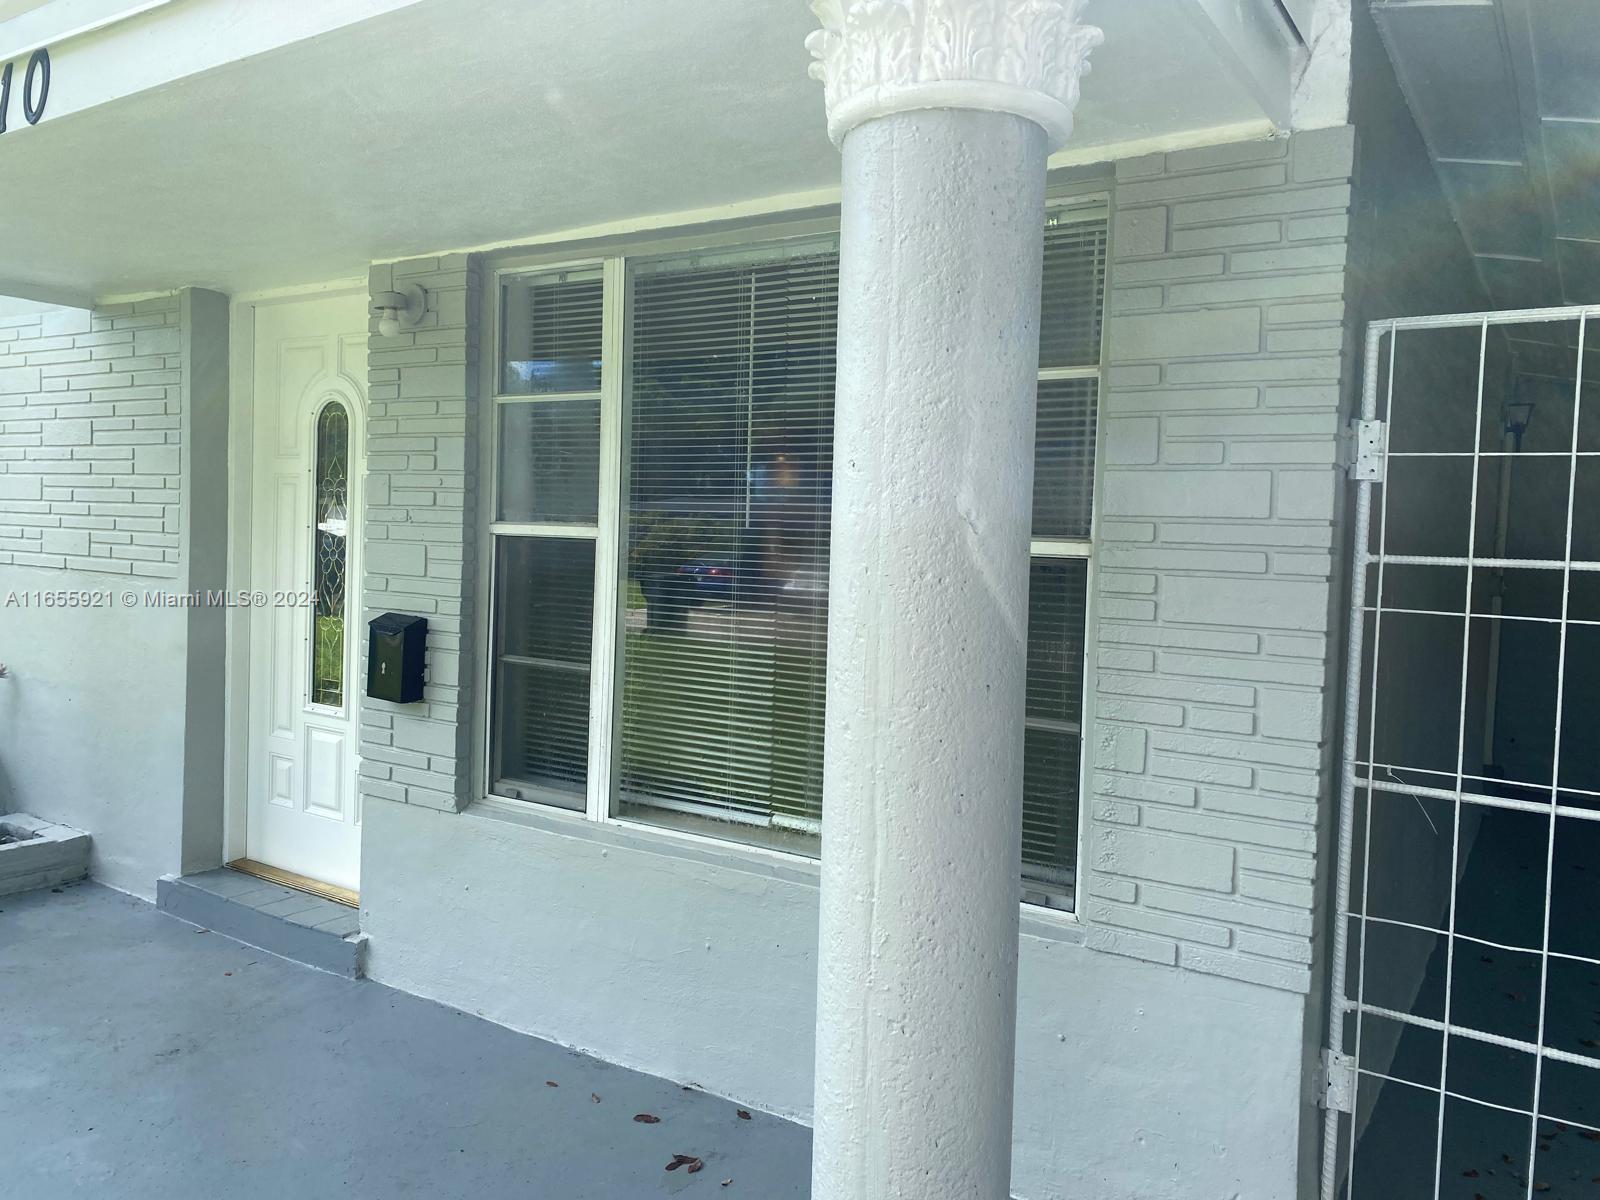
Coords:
420,552
1213,695
1221,411
91,418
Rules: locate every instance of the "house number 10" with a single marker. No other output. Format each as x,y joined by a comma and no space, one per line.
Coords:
35,88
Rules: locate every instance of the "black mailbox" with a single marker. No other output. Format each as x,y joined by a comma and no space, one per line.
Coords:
395,645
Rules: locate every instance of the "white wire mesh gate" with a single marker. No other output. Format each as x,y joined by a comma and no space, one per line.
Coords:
1464,1053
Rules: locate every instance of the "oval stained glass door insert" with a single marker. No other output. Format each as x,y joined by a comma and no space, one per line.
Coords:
330,554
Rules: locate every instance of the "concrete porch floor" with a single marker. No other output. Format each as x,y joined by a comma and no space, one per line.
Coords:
144,1059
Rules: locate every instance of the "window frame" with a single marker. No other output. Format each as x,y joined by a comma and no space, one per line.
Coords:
612,255
492,529
1072,208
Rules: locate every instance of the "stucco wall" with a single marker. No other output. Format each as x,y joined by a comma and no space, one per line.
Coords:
1134,1081
113,447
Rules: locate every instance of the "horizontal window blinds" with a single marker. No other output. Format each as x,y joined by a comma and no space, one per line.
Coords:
550,333
549,469
1072,303
728,465
1057,599
1074,283
545,611
1063,459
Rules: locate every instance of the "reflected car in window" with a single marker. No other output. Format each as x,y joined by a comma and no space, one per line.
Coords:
708,581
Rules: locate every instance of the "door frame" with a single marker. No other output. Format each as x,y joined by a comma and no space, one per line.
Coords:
241,499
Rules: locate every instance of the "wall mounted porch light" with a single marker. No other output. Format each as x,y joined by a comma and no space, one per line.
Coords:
399,310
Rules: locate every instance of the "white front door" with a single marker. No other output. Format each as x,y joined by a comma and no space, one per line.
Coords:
308,434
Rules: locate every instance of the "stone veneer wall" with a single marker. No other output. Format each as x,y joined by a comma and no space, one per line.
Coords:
90,439
1214,684
421,528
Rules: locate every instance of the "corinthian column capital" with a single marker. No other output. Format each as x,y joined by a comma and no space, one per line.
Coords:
876,57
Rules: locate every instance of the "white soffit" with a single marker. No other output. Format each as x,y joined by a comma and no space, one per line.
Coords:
28,24
440,124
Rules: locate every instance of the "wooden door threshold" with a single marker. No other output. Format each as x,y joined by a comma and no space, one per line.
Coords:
300,883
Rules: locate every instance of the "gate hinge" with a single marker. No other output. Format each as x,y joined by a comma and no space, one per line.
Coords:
1338,1081
1365,449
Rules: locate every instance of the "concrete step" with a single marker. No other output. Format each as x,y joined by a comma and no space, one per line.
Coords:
293,925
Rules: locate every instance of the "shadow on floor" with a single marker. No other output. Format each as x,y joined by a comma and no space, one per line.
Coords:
1485,1150
146,1060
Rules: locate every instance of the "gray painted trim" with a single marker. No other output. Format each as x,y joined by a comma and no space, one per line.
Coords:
277,925
203,326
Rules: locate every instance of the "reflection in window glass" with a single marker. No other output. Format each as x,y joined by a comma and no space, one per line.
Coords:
550,461
1063,459
1057,599
724,611
1074,284
550,333
722,544
544,618
329,545
1073,300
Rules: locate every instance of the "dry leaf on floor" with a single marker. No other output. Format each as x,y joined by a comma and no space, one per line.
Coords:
647,1119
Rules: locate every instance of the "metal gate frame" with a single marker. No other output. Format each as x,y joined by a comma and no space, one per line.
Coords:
1369,465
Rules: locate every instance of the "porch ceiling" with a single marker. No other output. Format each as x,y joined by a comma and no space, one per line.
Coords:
453,123
1507,95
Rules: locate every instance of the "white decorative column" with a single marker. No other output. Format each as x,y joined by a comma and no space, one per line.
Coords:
945,111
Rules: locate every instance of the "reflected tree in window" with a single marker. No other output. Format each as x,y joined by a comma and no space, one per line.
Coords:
726,523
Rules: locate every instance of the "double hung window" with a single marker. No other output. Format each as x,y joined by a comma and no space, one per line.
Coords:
664,452
1062,549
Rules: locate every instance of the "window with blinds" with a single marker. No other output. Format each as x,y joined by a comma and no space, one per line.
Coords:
1071,301
1072,304
546,522
705,390
545,606
727,461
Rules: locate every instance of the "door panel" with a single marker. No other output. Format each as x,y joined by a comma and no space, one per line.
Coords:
310,366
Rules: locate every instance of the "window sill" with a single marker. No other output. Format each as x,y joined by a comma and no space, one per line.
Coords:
1052,925
651,839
